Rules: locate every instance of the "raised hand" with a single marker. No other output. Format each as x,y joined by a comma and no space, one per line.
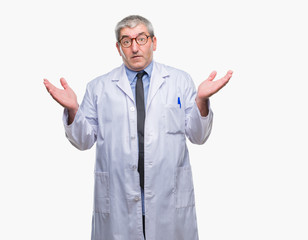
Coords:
66,97
209,87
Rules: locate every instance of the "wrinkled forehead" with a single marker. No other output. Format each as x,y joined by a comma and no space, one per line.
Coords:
134,32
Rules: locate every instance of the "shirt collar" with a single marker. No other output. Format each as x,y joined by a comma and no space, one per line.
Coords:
132,74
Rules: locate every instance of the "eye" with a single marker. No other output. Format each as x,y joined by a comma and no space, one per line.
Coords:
141,39
125,41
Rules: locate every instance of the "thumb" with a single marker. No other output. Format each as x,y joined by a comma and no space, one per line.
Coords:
64,83
212,76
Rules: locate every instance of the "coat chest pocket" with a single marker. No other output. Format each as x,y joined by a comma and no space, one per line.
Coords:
174,119
101,192
184,189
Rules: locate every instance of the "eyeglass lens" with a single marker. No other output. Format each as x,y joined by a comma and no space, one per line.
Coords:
141,40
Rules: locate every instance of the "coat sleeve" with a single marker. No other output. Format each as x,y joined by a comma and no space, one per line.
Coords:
82,133
197,127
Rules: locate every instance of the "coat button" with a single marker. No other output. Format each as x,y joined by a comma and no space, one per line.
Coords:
134,167
132,109
137,198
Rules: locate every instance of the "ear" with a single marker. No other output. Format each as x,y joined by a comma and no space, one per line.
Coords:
154,43
118,47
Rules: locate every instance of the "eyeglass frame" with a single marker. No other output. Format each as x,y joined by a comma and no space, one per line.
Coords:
135,38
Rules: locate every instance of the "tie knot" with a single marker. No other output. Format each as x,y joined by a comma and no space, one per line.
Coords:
140,74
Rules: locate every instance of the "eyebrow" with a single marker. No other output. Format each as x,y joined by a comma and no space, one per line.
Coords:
124,36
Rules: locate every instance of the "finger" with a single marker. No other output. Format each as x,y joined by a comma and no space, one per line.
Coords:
64,83
212,76
48,85
46,82
227,77
230,72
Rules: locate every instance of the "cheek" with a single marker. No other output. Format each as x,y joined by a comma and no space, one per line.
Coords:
122,53
150,50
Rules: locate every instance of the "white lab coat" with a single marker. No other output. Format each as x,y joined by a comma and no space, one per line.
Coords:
108,117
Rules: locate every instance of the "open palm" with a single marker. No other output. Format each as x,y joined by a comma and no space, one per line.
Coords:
66,96
209,87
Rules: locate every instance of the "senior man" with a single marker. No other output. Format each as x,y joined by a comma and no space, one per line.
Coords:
138,115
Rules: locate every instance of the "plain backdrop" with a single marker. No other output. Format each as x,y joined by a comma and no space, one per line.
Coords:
250,176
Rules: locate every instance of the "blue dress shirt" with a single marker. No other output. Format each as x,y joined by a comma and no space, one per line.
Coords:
132,78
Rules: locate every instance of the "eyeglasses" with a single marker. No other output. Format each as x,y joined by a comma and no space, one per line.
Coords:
140,40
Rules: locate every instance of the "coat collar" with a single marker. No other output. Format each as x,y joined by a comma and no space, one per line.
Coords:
159,74
123,82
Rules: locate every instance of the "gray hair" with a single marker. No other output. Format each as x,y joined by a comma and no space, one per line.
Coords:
131,22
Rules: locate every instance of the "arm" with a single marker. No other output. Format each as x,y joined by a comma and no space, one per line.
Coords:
80,122
66,97
199,116
208,88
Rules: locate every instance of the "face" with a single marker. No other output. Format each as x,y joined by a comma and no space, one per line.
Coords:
137,57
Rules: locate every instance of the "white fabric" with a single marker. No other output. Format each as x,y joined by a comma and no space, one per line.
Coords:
107,117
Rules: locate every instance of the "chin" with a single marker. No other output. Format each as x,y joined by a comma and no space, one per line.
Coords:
137,67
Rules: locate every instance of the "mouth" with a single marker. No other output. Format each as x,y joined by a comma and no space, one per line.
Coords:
136,57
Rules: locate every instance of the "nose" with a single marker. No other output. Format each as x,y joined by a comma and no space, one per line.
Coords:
134,46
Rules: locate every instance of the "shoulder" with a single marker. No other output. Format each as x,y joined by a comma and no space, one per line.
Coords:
174,76
172,72
106,78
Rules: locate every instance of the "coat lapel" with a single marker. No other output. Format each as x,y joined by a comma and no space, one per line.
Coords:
157,80
123,83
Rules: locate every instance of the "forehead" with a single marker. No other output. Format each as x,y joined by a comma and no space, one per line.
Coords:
133,32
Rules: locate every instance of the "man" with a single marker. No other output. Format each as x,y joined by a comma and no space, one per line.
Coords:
138,114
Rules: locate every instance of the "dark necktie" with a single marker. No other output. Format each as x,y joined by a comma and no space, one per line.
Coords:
140,124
